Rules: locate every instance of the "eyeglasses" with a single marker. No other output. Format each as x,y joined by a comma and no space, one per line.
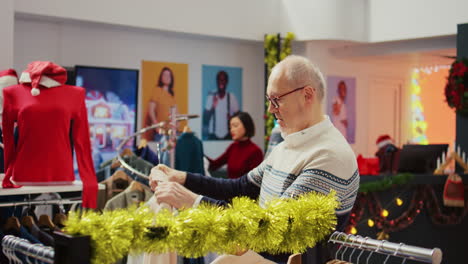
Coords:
274,101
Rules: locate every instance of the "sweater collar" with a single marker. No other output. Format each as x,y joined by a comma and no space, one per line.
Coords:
302,137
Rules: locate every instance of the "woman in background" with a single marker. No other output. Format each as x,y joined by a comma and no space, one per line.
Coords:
242,155
161,101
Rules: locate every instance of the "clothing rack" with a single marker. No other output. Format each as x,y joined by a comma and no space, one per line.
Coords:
12,244
141,131
41,202
401,250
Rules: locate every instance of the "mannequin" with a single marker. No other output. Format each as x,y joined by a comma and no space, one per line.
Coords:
52,121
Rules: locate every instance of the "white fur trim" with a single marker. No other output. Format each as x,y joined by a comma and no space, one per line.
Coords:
383,143
35,91
8,80
45,81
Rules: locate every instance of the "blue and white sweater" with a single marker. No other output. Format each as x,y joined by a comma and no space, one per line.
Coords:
317,158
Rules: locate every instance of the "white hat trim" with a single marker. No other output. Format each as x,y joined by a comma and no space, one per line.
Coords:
385,142
45,81
8,80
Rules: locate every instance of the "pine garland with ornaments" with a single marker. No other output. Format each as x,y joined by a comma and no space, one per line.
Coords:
424,198
283,226
456,89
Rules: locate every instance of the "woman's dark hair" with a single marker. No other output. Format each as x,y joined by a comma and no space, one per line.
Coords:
247,121
171,85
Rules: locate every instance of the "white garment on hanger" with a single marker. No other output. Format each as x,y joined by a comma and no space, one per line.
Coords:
148,258
249,257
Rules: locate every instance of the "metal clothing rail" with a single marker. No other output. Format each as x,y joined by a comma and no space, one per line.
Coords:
12,244
139,132
401,250
41,202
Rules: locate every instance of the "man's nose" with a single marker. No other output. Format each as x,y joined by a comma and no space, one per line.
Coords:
271,108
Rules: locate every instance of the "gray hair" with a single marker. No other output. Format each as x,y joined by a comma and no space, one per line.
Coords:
300,71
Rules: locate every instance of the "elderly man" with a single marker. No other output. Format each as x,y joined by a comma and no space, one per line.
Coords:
314,155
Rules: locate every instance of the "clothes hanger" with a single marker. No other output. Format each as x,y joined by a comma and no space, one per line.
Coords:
12,223
377,250
119,174
126,152
60,219
136,186
350,258
346,247
28,221
362,251
143,143
44,221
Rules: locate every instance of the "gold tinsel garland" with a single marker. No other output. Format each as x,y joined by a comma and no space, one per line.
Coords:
283,226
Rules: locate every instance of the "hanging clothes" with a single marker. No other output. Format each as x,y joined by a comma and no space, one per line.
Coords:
147,154
189,153
129,197
52,120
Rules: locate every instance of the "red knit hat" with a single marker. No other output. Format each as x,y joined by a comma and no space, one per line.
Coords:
45,73
8,78
383,140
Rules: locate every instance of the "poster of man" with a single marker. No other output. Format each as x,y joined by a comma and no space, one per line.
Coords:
222,97
164,87
341,105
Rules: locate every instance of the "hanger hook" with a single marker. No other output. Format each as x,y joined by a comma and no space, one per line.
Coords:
346,246
360,247
341,246
372,252
354,248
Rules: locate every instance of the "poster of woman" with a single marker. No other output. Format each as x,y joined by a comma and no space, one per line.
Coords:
341,105
164,87
222,97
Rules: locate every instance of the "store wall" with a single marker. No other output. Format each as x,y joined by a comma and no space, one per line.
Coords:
400,19
366,73
6,33
70,44
240,19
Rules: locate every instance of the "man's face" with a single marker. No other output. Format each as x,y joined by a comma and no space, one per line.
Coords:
290,114
222,82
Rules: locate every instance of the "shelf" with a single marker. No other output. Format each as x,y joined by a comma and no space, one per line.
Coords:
77,186
418,178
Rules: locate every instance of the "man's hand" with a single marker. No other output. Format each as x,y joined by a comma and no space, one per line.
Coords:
175,195
162,173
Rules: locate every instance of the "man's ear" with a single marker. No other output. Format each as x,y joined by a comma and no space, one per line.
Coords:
310,92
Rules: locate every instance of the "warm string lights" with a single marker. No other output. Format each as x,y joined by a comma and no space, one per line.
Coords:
423,197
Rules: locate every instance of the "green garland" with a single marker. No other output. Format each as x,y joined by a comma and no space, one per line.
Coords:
386,183
271,44
284,226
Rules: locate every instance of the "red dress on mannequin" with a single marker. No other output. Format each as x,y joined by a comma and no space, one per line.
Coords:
52,120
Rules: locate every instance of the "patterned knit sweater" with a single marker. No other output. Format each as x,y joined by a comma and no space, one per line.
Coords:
315,159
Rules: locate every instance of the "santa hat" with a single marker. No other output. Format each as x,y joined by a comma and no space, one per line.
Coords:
383,140
45,73
8,78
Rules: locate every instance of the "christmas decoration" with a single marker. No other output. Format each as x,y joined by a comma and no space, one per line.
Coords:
456,89
454,191
424,197
386,183
418,121
283,226
274,53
